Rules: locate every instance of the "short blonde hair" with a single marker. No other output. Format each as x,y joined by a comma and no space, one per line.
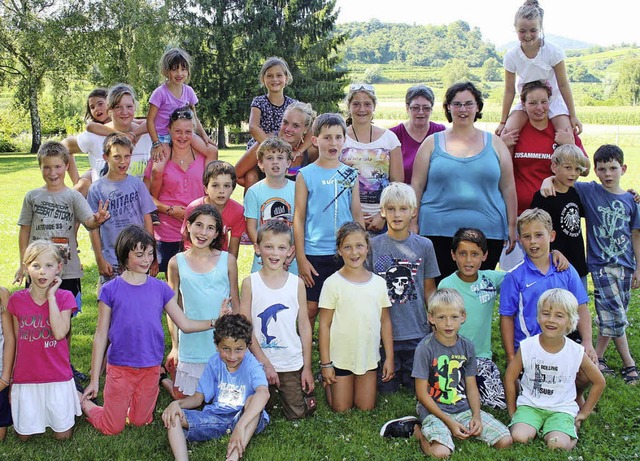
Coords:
275,61
534,214
398,193
561,299
572,155
445,297
277,144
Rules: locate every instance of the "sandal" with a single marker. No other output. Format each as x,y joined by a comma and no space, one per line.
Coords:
631,380
604,368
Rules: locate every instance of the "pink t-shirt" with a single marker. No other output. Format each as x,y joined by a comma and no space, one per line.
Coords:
179,188
166,103
232,220
40,358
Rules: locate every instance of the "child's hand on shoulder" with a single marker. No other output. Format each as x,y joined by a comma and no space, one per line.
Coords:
172,415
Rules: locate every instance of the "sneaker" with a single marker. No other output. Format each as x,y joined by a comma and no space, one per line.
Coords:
78,376
401,427
155,219
245,240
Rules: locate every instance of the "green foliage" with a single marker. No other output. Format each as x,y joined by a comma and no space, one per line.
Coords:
7,146
628,84
492,70
372,74
454,71
375,42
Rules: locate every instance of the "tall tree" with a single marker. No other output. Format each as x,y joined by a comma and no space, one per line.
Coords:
230,39
628,83
39,39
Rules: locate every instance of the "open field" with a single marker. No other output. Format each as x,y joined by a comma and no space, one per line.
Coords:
612,433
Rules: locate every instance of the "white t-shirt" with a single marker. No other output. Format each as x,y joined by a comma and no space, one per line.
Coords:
93,145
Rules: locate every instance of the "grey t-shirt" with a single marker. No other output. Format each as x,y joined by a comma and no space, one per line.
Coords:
405,264
52,216
445,368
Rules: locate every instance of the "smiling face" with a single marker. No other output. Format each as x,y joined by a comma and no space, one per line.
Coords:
292,128
202,231
274,163
98,109
361,107
536,105
140,259
181,131
554,322
219,189
463,108
232,352
44,269
468,257
118,159
274,249
53,169
274,79
446,321
122,112
178,75
528,31
419,110
354,249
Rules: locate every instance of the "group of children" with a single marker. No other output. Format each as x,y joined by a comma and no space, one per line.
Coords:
383,323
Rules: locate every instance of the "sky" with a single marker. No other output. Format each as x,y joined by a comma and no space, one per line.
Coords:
598,22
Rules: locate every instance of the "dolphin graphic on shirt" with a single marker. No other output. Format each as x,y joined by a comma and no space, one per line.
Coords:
267,315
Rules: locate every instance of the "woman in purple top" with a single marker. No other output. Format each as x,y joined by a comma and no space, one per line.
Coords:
175,183
419,100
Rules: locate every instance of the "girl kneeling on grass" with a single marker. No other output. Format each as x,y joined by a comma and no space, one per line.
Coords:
353,316
130,309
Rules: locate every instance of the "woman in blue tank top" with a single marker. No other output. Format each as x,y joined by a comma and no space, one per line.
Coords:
463,177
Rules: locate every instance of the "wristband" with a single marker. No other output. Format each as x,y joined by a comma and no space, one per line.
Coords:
503,123
156,144
326,365
5,382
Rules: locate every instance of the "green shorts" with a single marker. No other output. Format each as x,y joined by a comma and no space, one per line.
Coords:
545,421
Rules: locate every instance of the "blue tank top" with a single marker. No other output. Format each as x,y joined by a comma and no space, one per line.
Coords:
202,295
463,192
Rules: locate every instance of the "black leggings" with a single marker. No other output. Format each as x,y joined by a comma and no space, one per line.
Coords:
446,264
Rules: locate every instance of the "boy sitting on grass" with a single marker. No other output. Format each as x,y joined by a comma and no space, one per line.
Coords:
234,388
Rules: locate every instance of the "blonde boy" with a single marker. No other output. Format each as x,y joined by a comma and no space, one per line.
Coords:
549,363
524,284
568,162
445,373
408,264
276,303
274,196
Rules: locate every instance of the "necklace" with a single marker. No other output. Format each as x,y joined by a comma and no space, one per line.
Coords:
370,133
182,160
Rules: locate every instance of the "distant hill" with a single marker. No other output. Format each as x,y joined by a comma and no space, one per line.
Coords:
561,42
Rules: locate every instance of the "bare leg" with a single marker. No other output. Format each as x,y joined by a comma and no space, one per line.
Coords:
562,123
312,310
340,394
365,388
517,119
523,433
601,345
435,449
3,433
178,441
559,440
66,435
247,433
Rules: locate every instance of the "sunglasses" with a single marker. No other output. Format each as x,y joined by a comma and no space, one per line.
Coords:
178,114
362,86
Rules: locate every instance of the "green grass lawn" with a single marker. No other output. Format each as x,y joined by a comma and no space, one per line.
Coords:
611,433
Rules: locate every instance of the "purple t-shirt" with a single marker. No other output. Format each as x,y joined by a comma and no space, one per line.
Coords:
135,332
410,146
166,103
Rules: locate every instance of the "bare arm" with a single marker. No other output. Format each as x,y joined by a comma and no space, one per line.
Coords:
9,339
597,388
326,319
252,229
507,98
240,437
254,125
507,188
23,242
419,175
60,321
585,330
507,330
473,396
99,217
304,330
396,168
305,270
173,280
635,243
232,273
386,333
429,289
511,382
356,209
104,268
99,347
422,394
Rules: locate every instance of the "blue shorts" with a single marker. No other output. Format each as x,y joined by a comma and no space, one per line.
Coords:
325,266
164,138
206,424
5,408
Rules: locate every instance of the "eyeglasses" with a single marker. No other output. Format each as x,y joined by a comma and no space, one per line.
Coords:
467,105
417,109
177,114
362,86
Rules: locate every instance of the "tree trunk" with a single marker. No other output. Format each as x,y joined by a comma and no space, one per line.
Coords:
222,141
36,128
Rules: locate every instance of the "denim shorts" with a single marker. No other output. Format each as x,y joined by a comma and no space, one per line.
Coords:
206,424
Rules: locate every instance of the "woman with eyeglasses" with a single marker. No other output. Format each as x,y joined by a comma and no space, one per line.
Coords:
419,100
121,108
175,182
375,152
463,177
